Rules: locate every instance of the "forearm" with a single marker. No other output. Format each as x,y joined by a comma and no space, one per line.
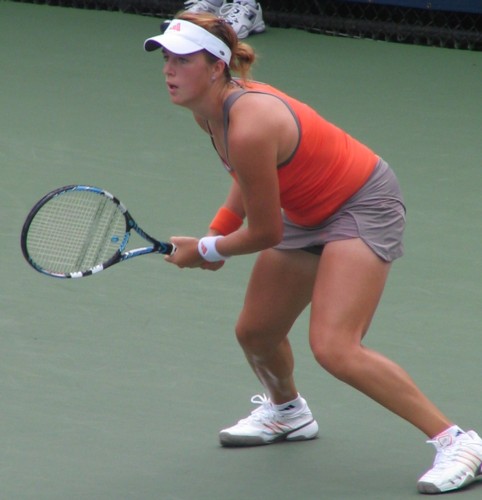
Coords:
234,200
260,232
246,241
230,215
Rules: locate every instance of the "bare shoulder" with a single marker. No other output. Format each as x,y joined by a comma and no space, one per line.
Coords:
259,108
259,120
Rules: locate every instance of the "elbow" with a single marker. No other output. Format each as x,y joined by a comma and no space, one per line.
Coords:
266,235
276,239
271,238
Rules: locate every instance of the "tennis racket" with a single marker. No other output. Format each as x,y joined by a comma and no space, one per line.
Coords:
76,231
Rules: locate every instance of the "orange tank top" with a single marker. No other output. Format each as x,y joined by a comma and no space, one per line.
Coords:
325,170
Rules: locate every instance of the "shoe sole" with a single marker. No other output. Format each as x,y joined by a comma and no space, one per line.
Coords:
429,488
432,489
255,30
258,28
305,433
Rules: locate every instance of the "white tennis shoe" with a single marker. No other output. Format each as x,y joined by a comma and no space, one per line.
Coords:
457,463
267,425
198,6
244,17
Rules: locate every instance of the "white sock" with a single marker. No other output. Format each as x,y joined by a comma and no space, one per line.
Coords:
448,436
454,431
217,3
289,406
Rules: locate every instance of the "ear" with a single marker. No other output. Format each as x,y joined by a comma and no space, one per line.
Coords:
218,69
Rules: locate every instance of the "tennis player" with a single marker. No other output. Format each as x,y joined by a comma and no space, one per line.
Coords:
326,215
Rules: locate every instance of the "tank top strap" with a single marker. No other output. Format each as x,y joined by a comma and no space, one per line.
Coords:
230,100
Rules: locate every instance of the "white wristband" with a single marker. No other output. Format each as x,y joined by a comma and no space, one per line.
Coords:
207,249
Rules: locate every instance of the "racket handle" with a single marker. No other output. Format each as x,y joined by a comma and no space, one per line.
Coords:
173,250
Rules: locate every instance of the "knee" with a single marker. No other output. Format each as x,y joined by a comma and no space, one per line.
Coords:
334,358
249,337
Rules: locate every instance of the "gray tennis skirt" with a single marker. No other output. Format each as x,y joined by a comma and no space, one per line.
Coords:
375,213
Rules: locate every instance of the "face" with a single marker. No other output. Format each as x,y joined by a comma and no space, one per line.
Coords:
187,77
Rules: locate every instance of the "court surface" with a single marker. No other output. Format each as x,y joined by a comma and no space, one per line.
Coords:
114,387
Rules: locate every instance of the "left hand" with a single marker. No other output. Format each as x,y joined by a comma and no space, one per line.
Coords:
187,255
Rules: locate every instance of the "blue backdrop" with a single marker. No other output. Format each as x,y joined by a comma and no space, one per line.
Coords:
474,6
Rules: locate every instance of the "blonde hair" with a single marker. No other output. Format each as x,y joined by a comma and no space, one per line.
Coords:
242,54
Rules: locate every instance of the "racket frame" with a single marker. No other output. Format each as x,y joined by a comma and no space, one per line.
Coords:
119,256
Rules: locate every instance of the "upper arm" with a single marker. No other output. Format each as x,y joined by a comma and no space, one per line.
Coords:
254,143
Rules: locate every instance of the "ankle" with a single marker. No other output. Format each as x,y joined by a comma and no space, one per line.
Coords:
292,405
453,431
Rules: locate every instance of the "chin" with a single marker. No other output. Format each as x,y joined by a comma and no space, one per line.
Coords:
175,99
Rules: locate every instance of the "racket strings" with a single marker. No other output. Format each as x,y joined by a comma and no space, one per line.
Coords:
75,231
94,244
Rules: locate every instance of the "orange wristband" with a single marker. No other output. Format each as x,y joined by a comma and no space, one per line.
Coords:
226,221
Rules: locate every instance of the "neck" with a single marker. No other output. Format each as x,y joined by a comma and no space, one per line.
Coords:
211,107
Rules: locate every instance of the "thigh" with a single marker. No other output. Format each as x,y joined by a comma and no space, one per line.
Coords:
279,289
349,283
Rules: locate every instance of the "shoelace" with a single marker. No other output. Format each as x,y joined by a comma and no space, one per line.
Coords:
442,458
264,411
447,455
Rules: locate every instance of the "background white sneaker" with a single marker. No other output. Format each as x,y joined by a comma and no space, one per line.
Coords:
266,425
197,6
244,17
456,465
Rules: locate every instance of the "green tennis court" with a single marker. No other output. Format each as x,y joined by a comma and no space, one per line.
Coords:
115,386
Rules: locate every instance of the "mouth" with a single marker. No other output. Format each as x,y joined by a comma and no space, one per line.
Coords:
171,87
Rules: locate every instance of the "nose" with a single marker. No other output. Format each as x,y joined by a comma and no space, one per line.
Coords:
168,68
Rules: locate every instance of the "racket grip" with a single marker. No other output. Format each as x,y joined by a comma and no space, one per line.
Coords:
173,250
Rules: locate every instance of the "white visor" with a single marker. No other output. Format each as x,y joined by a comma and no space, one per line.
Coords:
183,37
